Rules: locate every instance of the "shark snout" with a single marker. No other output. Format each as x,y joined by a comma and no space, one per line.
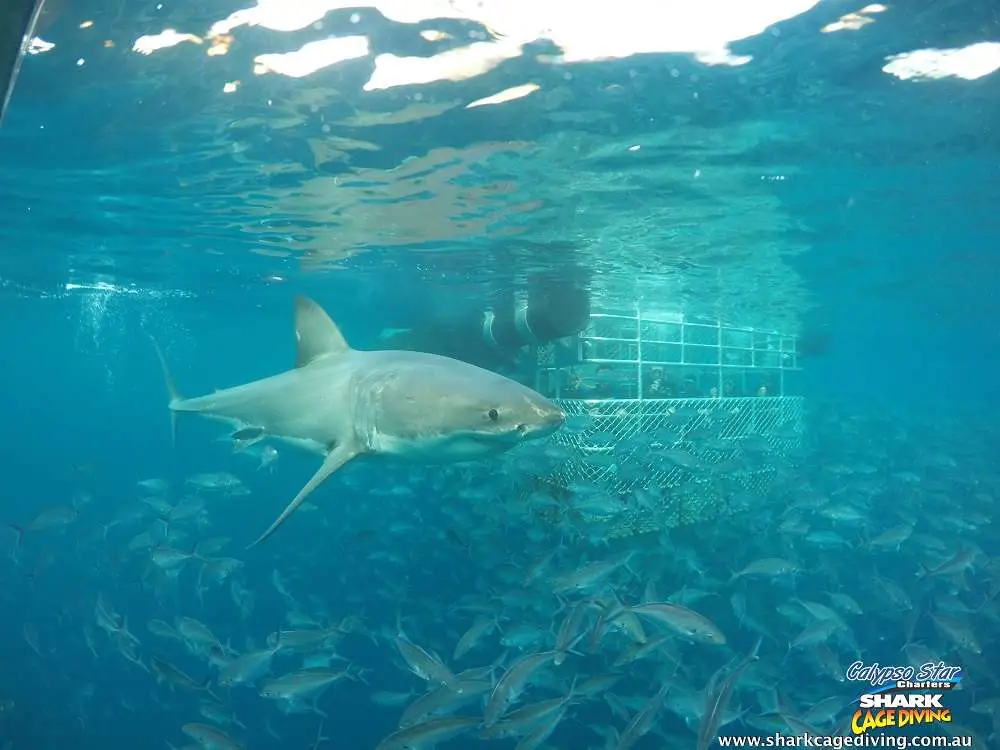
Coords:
547,419
555,417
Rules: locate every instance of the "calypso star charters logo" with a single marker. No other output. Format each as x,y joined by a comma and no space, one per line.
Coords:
902,696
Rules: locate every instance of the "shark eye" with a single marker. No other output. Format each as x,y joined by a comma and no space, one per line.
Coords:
493,414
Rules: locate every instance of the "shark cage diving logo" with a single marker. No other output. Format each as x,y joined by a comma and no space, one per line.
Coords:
902,696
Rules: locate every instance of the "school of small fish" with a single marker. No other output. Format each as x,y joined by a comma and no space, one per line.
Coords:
456,608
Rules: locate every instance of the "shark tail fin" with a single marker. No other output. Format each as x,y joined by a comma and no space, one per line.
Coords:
171,388
334,460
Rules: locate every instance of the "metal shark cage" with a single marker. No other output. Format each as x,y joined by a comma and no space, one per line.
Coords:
695,417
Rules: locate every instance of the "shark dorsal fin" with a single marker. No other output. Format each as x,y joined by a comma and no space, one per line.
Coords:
315,334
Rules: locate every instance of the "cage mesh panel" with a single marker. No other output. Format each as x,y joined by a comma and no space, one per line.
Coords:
691,453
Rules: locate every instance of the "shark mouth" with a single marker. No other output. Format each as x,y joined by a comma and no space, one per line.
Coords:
493,438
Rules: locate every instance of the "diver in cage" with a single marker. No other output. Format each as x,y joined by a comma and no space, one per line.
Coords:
655,386
659,384
572,385
728,388
689,387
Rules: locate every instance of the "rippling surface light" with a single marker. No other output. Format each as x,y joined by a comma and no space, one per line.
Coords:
661,147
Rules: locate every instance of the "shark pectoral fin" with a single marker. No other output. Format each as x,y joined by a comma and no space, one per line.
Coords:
315,334
334,460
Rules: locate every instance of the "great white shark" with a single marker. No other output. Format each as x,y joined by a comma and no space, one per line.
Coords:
342,403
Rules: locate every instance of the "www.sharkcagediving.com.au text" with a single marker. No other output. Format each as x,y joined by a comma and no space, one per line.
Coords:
899,742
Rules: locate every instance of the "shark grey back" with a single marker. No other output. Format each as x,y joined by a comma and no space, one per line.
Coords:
344,403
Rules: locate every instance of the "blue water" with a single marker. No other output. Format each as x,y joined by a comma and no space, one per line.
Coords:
806,191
